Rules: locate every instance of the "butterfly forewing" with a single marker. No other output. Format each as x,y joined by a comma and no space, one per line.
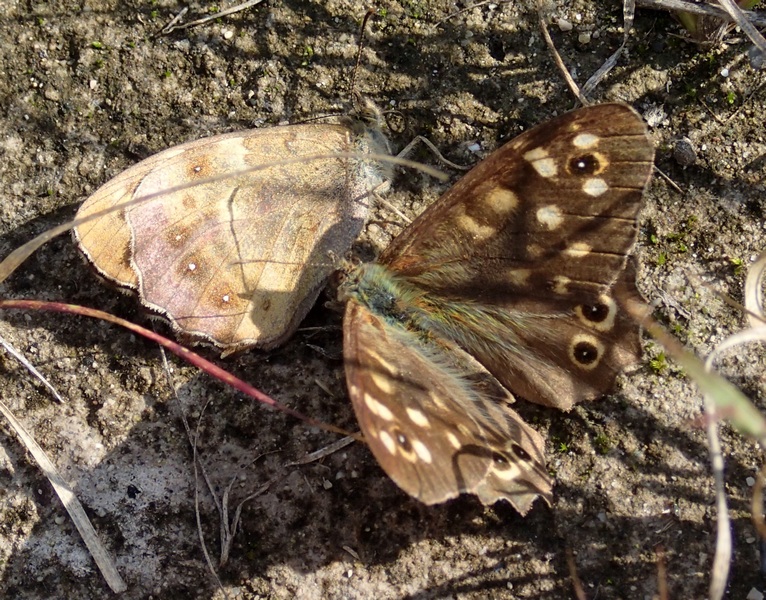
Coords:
535,237
407,393
570,188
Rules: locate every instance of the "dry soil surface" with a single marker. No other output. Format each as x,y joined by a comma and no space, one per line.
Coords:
88,89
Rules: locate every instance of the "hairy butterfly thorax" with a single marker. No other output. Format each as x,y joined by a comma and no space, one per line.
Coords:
510,284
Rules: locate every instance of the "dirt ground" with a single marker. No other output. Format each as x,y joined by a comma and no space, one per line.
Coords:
88,89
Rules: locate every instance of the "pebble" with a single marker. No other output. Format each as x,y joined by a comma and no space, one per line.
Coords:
684,152
564,25
475,148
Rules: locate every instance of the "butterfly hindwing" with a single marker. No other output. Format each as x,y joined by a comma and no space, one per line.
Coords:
406,392
238,258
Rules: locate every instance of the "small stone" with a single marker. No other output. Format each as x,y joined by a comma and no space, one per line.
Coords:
724,72
757,58
684,152
754,594
584,37
475,148
564,25
655,116
51,94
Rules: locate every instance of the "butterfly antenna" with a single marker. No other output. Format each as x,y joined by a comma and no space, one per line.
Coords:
367,16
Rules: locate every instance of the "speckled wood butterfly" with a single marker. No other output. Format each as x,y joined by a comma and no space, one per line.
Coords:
511,281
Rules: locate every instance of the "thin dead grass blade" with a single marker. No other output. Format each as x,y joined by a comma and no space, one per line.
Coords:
702,8
573,87
628,15
736,14
582,94
31,368
754,291
174,26
708,23
71,504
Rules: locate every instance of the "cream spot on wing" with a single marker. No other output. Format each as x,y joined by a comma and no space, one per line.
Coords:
507,474
453,440
538,153
226,298
380,361
382,382
387,441
608,323
437,400
422,451
475,229
534,251
378,409
542,163
418,417
560,283
465,431
578,250
192,267
595,186
585,140
545,167
518,276
501,200
550,216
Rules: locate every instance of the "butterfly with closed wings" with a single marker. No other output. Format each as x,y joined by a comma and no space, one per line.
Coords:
239,258
509,284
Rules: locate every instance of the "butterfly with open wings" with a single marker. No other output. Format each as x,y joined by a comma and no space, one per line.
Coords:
510,284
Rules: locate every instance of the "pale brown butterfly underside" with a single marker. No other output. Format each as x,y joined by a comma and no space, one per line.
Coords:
509,284
237,261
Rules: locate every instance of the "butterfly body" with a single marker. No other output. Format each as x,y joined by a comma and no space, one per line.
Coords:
508,285
239,259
